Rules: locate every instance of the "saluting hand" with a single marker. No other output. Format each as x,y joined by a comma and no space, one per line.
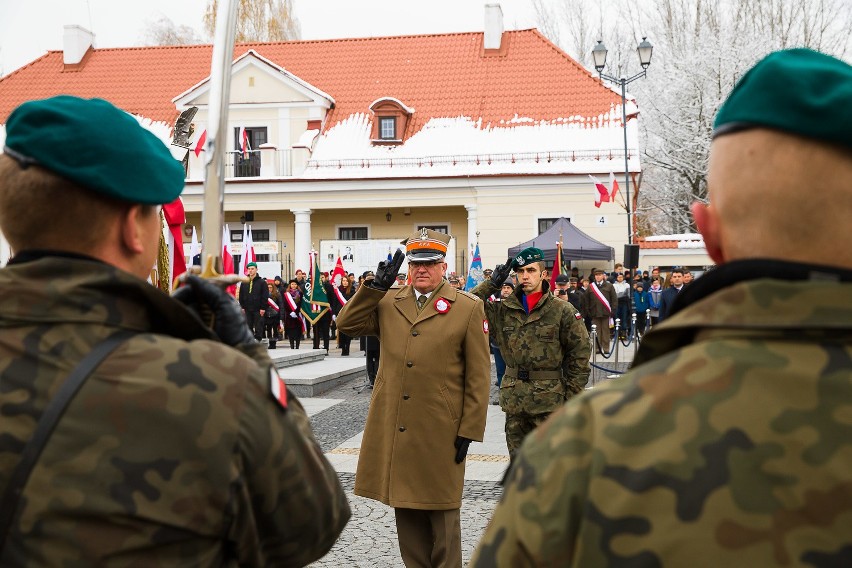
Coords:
386,272
501,272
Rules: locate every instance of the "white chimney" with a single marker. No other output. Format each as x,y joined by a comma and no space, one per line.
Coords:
75,43
493,26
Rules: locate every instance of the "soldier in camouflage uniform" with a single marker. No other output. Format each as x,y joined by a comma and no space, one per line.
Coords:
543,341
729,443
183,447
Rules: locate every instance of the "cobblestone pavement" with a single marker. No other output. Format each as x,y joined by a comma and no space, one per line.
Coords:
369,539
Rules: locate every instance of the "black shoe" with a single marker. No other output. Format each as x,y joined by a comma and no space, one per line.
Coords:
272,346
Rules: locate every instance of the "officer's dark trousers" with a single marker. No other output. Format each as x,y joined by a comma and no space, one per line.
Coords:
429,539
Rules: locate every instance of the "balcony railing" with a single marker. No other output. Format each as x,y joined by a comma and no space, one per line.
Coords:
259,163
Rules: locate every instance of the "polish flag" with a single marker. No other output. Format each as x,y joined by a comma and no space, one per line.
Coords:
199,146
244,142
603,192
336,277
249,246
228,258
244,260
613,186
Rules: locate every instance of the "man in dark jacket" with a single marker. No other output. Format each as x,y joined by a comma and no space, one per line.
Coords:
253,295
601,302
670,293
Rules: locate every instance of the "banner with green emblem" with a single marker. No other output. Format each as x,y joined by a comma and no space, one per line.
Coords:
314,301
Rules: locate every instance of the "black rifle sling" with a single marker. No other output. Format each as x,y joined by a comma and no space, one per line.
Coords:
52,413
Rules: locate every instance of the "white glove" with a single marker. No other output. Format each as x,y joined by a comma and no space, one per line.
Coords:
293,314
333,318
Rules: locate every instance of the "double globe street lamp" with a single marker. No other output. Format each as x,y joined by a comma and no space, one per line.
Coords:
645,49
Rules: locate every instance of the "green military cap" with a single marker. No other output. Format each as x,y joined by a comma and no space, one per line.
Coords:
250,264
799,91
528,256
96,145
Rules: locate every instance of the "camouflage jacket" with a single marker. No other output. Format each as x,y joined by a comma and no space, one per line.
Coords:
730,446
552,337
173,453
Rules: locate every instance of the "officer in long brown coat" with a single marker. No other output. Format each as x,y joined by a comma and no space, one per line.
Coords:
429,401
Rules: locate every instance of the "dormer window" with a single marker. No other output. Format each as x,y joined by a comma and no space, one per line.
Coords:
391,118
387,127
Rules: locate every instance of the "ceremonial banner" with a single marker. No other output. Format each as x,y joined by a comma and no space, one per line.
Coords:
315,301
474,274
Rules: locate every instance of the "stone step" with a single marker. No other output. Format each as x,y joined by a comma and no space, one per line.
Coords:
283,356
313,379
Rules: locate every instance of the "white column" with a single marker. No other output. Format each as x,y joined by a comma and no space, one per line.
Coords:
471,226
302,246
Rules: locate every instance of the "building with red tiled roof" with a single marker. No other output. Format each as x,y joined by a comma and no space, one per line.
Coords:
376,137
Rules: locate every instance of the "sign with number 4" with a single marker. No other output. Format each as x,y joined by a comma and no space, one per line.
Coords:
602,221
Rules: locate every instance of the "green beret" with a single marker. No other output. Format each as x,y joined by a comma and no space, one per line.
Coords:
798,91
528,256
96,145
250,264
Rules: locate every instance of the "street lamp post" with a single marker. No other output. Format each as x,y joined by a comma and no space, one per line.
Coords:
645,49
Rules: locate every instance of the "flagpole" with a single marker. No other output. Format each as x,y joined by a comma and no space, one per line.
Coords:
213,213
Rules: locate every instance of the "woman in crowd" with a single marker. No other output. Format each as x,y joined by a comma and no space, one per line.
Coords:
292,321
622,290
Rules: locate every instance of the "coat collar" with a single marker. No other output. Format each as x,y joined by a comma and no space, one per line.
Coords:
404,301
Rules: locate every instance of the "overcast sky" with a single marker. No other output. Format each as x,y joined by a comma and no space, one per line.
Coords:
29,28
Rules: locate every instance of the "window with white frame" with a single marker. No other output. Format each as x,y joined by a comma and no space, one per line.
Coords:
387,128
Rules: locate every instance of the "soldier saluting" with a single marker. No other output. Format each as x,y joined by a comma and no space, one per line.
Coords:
181,446
543,341
430,397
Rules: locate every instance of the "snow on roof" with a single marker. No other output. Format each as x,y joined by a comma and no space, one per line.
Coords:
444,146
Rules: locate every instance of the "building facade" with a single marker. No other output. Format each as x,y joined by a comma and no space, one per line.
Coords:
489,136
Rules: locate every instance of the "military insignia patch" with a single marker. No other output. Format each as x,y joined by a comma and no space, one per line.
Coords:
578,316
442,306
277,388
485,326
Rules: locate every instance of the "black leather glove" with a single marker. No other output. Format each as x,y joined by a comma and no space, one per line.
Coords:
501,272
462,444
206,299
386,272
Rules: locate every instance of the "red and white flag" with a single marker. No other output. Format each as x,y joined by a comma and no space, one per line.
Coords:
244,257
228,257
199,146
602,191
337,275
250,247
175,218
244,142
613,187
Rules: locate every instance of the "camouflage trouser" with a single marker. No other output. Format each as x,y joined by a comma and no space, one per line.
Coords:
517,428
